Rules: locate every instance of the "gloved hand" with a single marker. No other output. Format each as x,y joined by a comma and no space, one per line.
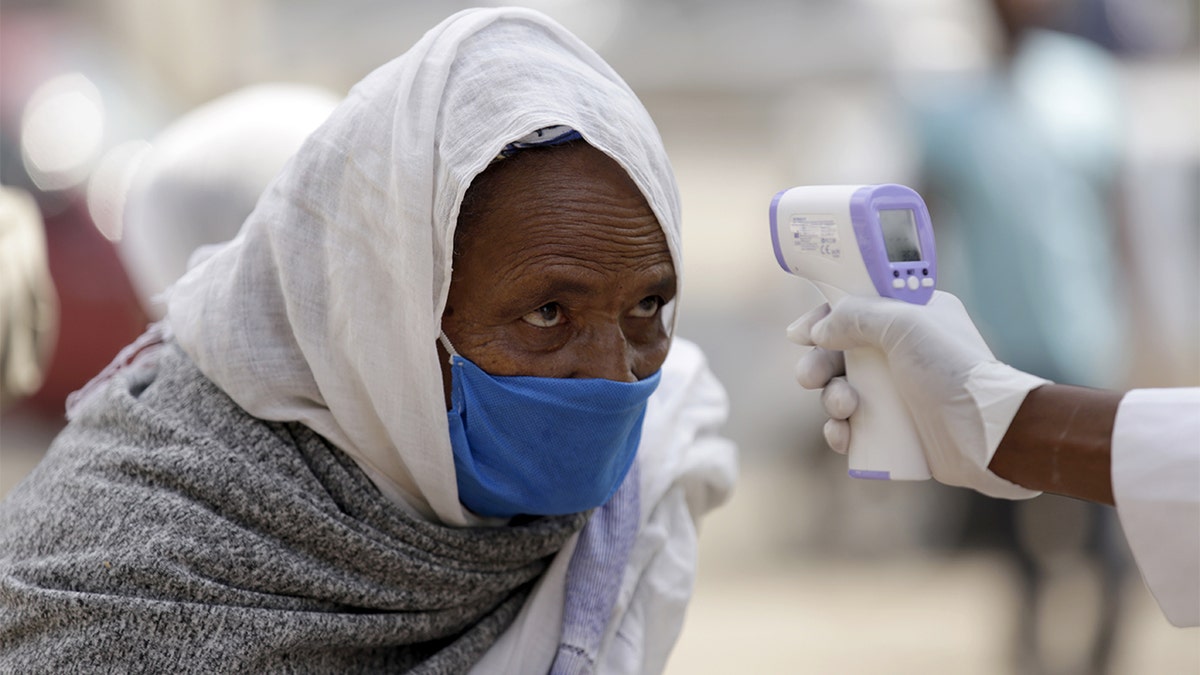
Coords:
960,397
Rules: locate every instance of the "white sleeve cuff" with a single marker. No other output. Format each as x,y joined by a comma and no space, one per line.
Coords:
1156,487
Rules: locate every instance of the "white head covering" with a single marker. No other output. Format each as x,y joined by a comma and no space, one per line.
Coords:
326,307
205,173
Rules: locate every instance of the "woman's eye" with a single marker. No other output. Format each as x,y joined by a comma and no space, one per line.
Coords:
647,308
546,316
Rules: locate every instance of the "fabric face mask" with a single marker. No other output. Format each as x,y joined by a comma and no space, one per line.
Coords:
540,445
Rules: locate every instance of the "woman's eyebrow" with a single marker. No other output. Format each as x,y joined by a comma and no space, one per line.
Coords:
548,286
551,288
564,286
664,286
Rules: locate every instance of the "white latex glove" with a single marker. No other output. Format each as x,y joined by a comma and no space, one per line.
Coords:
960,397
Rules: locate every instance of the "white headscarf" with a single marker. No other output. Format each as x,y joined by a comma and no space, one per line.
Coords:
326,307
205,173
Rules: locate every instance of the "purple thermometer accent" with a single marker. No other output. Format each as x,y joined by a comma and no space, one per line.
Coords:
775,231
865,205
870,475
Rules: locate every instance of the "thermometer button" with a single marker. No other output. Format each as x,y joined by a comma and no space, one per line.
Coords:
913,283
897,283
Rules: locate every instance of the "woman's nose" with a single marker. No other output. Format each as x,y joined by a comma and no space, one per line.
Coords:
606,354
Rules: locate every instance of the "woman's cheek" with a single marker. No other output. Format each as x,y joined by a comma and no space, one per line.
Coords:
652,357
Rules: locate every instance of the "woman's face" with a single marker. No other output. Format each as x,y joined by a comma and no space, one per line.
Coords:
561,270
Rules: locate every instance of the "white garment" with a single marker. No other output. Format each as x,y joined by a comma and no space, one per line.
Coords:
204,174
326,307
1156,487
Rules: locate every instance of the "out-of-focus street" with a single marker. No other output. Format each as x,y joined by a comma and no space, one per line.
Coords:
762,609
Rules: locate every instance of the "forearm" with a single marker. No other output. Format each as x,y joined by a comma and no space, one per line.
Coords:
1061,442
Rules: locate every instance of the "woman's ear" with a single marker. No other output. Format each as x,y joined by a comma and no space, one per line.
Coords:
444,363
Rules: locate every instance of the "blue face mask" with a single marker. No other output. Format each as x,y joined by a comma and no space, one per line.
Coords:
541,445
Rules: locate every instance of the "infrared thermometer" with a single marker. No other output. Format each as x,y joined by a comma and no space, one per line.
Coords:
864,240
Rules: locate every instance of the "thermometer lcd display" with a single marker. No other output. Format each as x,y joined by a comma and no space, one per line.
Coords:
900,234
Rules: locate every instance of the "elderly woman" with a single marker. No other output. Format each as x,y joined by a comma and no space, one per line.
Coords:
424,413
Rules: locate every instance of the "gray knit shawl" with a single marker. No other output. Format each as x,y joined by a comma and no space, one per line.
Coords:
169,531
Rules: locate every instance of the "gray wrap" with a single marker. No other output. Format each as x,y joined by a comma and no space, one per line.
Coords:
169,531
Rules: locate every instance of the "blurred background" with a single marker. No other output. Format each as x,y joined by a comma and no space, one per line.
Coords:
1056,142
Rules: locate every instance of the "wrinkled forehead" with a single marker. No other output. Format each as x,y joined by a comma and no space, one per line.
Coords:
560,191
554,166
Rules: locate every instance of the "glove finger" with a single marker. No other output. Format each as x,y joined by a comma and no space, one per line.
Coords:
837,435
800,330
818,366
860,321
839,398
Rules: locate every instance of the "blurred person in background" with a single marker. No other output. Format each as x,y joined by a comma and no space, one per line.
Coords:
53,124
204,174
1008,434
1019,165
28,305
426,411
97,311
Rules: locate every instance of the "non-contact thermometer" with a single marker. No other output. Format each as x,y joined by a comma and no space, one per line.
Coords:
864,240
